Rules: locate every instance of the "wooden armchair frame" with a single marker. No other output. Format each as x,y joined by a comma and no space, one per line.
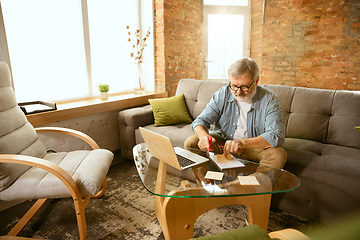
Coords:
80,202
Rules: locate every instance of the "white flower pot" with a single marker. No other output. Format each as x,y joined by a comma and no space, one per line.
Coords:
104,95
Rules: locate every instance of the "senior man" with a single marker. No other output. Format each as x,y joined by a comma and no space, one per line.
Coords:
248,119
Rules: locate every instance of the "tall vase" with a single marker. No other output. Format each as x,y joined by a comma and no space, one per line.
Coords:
139,81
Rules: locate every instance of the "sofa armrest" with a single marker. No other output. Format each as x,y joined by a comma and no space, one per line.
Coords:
129,120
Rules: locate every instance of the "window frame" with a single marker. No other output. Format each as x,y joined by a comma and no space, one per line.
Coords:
220,9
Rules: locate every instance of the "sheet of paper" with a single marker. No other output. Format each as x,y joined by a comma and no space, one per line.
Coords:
225,163
214,175
248,180
222,159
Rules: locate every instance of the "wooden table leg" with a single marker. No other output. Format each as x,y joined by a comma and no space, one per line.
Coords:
178,215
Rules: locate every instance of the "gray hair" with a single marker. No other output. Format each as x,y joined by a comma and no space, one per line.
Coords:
244,65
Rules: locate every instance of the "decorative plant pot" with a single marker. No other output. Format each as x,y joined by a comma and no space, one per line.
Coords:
104,95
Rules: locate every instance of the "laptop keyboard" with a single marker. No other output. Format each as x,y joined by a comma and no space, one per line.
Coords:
184,161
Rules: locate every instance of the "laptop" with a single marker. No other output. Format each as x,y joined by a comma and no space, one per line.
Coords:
160,147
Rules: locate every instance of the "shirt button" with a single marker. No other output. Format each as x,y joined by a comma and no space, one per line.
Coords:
234,124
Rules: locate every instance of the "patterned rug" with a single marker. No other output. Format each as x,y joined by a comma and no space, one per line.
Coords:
127,212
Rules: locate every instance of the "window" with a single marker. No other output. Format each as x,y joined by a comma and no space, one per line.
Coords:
226,36
110,51
227,2
225,43
60,50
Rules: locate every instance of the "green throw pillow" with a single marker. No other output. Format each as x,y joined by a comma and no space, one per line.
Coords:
170,111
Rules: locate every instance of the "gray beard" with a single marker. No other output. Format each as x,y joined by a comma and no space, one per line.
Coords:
242,97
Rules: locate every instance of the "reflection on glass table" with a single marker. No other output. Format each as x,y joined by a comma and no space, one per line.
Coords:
272,180
180,197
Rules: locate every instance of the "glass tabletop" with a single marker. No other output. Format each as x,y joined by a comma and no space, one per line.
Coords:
250,179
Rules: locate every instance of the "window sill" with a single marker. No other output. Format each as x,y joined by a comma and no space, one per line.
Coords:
92,106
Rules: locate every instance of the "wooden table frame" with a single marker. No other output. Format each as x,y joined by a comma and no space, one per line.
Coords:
177,216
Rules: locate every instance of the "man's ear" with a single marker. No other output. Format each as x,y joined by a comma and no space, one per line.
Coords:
257,80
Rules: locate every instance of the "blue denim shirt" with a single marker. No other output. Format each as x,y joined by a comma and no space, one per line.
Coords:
264,119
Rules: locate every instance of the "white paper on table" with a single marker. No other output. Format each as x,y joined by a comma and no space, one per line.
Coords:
214,175
248,180
226,163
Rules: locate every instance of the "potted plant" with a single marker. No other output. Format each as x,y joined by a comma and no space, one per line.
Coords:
104,88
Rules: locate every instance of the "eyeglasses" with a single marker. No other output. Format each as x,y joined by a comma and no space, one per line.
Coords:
242,87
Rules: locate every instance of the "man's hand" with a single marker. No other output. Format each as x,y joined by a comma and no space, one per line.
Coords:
203,137
232,146
204,143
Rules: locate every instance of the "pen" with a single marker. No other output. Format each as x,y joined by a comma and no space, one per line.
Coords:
210,140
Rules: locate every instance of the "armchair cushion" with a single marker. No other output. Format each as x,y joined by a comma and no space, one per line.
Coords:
89,166
170,111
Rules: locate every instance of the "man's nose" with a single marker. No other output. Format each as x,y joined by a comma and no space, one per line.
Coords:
239,90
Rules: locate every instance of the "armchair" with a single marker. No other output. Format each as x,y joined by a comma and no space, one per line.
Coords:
28,171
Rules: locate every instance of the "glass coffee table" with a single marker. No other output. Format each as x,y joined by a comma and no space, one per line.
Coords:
180,197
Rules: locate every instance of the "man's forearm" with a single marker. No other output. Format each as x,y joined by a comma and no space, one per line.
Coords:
232,146
254,143
200,131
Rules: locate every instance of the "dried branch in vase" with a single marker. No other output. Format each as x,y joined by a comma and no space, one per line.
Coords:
138,45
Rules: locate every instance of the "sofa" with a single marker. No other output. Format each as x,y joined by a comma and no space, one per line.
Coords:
322,145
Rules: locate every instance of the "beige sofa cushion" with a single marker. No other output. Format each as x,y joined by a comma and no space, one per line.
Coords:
325,116
310,114
345,117
197,94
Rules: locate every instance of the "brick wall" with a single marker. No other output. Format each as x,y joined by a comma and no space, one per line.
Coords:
178,41
257,18
312,43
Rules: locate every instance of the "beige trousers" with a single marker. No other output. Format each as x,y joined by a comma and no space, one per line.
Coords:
273,157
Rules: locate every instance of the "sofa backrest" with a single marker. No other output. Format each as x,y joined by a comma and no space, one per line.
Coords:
321,115
326,116
197,93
